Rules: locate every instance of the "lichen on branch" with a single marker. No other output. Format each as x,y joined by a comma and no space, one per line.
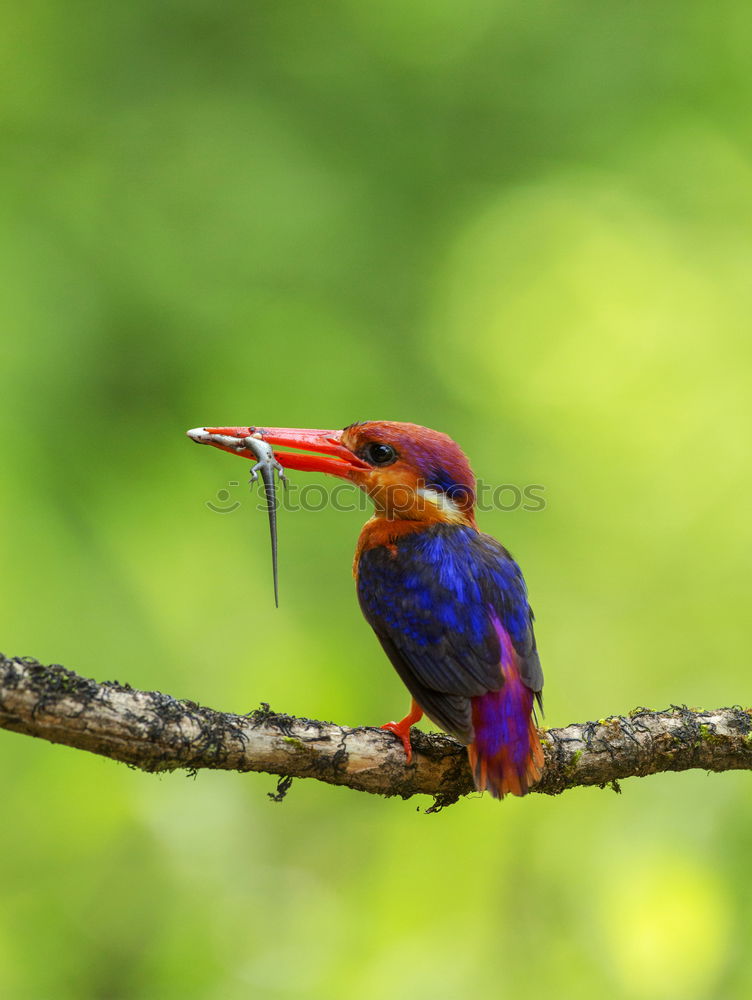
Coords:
155,732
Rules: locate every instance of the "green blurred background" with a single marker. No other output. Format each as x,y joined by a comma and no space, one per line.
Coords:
525,224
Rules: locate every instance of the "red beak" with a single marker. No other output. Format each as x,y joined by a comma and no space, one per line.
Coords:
331,455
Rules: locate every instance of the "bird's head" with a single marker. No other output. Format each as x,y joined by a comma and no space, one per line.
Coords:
410,472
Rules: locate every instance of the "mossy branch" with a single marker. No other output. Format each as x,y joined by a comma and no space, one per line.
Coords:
154,732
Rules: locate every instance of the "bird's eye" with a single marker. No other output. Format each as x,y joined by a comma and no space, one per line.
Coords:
379,454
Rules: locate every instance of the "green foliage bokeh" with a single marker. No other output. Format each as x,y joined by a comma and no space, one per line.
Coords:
525,224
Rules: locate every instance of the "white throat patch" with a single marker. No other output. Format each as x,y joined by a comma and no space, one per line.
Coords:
442,502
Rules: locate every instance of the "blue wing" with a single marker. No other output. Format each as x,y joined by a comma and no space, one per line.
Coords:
431,600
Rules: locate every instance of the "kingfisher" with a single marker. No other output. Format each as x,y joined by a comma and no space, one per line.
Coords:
448,604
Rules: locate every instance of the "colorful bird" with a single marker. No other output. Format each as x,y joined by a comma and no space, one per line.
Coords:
448,603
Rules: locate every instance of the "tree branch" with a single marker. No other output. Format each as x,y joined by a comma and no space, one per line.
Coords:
154,732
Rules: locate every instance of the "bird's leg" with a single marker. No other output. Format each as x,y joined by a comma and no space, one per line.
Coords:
402,728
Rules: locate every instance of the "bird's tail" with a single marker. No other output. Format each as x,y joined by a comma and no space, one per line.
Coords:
506,755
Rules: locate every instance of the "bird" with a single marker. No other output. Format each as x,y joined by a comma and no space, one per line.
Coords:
447,602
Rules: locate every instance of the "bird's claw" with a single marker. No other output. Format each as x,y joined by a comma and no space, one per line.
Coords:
403,734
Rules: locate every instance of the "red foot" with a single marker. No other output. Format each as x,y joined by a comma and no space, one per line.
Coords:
401,729
403,733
